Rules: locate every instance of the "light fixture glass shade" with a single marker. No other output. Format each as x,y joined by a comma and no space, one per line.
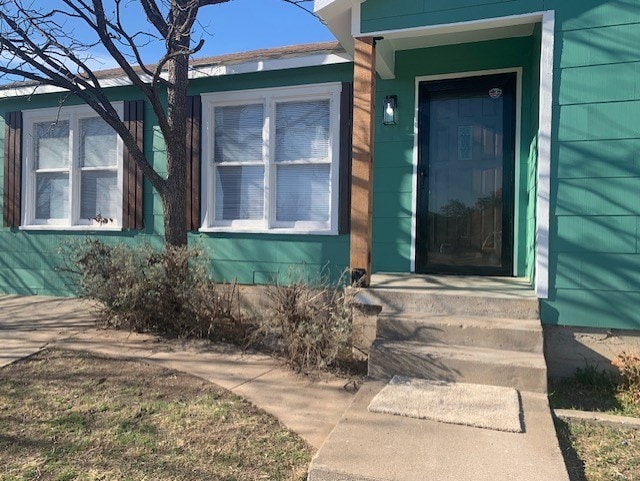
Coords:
390,110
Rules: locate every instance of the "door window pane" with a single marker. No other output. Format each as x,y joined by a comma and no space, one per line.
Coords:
99,194
238,133
98,143
303,193
465,181
52,196
52,145
239,193
302,131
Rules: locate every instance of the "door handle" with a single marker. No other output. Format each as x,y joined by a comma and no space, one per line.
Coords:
423,176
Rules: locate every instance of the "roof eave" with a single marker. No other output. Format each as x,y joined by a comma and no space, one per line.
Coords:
338,17
329,53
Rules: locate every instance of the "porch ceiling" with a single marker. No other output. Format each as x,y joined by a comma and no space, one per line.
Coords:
399,41
342,18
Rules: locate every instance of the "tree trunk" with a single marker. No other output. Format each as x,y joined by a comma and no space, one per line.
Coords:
174,197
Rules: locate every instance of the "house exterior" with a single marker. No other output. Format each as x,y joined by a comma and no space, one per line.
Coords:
476,137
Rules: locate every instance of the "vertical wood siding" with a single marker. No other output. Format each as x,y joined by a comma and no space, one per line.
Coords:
12,169
194,115
132,208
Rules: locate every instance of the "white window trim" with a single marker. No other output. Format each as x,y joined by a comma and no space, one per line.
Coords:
268,98
73,223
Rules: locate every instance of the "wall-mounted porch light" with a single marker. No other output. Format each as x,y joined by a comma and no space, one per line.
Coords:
390,110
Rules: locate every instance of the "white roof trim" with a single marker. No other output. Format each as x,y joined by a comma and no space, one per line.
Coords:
340,17
204,71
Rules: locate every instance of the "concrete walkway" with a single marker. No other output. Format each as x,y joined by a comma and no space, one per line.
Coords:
364,446
312,409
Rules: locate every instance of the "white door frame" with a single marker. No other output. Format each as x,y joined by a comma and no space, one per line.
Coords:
543,191
416,147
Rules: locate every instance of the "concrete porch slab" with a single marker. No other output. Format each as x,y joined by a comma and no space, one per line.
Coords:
490,287
368,446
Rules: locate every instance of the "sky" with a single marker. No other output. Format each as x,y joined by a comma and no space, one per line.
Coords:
236,26
242,25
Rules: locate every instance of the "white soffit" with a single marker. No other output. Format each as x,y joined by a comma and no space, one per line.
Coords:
337,14
449,34
452,38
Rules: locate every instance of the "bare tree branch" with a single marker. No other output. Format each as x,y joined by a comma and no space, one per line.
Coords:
155,17
39,43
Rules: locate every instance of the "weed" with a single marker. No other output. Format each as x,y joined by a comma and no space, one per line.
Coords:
628,365
309,323
591,376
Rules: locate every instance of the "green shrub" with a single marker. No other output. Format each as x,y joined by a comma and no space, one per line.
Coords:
144,289
308,323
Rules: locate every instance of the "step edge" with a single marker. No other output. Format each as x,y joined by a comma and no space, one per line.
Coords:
390,345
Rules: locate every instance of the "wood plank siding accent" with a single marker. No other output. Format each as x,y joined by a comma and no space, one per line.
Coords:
346,136
12,169
132,214
193,155
362,159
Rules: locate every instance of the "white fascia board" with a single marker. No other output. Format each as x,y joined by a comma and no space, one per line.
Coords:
269,65
386,53
200,72
511,20
341,17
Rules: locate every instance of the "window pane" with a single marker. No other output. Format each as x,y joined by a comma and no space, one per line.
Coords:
98,143
239,193
303,193
302,130
238,136
52,144
99,195
52,196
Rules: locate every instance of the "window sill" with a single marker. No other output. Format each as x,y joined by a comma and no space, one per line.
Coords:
283,230
74,228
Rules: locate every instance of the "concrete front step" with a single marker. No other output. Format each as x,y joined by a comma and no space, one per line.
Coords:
476,331
522,370
402,301
367,446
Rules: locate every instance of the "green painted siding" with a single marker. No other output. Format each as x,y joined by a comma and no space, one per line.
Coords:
595,167
384,15
393,173
29,260
378,15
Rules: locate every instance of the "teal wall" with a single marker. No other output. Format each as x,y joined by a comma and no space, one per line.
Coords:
29,260
595,217
385,15
393,173
594,260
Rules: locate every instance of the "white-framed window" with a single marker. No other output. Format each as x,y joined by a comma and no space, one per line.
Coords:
271,160
72,170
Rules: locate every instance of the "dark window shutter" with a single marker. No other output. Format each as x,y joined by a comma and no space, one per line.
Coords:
346,135
133,180
194,114
12,169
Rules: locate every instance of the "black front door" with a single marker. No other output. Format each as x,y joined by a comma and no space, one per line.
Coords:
465,176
